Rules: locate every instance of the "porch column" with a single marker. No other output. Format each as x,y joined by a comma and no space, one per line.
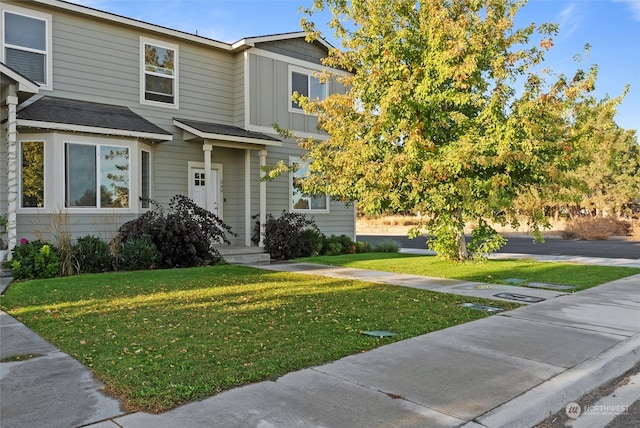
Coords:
12,169
247,198
263,196
208,202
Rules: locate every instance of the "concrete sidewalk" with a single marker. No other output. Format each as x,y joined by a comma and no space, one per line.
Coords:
507,370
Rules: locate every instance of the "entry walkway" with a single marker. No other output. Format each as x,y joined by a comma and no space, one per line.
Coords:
511,369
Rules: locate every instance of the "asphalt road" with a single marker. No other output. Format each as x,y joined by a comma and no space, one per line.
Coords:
551,246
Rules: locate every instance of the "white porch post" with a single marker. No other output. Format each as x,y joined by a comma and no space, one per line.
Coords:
247,197
12,168
263,196
208,201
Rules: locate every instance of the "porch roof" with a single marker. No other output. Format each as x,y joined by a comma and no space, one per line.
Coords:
226,135
84,116
26,87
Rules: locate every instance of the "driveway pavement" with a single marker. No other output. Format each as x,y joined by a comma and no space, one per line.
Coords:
511,369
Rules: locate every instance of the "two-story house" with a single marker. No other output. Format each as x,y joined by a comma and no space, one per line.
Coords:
101,112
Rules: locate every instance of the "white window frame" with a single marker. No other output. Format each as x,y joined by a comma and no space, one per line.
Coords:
147,150
143,73
48,53
300,162
44,174
310,73
97,146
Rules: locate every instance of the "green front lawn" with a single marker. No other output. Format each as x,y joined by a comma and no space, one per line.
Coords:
492,271
161,338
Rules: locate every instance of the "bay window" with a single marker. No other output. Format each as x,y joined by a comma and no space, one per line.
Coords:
32,174
96,176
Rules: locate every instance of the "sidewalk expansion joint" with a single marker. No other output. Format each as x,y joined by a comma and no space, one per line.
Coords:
388,394
559,324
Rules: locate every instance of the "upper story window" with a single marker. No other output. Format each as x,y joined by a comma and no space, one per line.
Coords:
26,45
159,73
305,83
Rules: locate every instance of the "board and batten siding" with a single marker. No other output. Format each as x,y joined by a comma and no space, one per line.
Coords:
270,99
297,48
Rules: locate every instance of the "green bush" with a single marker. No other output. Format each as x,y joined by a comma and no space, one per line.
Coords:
386,246
93,254
363,247
186,236
286,237
138,254
312,242
336,245
33,260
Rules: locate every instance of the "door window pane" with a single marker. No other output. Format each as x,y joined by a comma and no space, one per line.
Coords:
32,174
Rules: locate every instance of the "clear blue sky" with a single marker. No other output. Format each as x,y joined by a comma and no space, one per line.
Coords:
611,27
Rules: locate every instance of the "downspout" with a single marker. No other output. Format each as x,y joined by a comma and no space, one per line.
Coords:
12,169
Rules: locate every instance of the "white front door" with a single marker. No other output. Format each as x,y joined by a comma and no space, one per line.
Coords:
198,186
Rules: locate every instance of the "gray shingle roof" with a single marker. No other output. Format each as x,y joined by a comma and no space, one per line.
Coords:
217,128
85,113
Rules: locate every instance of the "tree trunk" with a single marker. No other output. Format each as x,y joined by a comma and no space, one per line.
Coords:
462,243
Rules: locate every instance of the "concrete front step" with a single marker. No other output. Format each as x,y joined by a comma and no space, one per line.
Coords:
244,255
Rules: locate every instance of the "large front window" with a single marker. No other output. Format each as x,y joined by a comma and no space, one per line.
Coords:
25,45
96,176
32,174
159,73
301,201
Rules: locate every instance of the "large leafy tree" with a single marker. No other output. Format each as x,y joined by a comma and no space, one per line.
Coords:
607,180
432,120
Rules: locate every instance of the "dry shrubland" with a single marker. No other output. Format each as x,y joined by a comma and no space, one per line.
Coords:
598,228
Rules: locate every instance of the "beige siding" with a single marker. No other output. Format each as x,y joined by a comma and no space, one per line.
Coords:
99,61
338,221
296,48
239,88
270,98
47,226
